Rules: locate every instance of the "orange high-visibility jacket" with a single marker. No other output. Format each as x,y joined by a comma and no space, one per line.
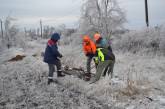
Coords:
89,46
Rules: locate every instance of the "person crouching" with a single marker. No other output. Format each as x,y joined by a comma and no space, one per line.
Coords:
106,63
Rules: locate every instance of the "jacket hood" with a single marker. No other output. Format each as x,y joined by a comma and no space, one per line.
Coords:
55,36
86,38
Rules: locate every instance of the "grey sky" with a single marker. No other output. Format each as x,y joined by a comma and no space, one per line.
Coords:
135,12
52,12
55,12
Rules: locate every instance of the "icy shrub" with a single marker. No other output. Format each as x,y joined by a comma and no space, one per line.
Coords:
72,55
68,39
147,40
1,45
162,45
130,89
13,37
162,41
20,40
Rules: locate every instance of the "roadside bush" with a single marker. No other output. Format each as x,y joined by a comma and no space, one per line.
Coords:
149,40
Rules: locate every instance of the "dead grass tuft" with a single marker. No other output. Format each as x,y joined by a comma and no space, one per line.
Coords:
131,89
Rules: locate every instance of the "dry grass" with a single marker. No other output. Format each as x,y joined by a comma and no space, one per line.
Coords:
130,89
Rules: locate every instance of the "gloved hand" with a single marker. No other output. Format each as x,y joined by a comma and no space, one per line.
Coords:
89,54
60,56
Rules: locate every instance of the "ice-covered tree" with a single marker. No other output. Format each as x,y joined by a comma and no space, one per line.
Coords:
12,37
10,32
104,16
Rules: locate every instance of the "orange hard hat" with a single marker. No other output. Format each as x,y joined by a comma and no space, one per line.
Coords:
97,36
86,38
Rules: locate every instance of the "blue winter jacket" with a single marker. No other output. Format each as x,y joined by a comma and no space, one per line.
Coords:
51,51
102,43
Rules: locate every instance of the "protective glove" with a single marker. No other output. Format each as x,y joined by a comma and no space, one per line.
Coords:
89,54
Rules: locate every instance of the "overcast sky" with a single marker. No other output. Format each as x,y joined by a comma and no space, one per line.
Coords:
55,12
135,12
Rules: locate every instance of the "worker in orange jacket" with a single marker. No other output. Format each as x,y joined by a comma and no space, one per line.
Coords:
89,48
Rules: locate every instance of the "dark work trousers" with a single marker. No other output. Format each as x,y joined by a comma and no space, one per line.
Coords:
52,68
102,68
109,69
89,59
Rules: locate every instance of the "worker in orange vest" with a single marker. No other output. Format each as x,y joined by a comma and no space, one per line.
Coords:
89,49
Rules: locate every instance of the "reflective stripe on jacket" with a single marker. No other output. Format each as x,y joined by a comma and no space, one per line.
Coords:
105,54
100,54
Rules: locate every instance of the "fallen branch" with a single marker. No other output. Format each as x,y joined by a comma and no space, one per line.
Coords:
17,58
78,72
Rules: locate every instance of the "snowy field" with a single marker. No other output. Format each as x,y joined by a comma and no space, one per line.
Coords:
138,82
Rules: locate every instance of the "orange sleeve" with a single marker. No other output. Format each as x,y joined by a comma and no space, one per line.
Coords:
84,49
93,45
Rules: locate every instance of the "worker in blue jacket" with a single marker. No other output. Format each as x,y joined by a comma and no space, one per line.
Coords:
51,57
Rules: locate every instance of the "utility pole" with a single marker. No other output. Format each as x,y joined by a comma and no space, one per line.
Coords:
146,13
41,27
25,31
1,27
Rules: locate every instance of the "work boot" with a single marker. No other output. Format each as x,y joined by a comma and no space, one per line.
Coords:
87,76
50,81
59,74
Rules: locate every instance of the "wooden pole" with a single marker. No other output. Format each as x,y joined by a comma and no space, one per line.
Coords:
1,27
25,31
146,13
41,27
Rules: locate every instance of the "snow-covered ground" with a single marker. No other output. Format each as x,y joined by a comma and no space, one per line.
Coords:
138,82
